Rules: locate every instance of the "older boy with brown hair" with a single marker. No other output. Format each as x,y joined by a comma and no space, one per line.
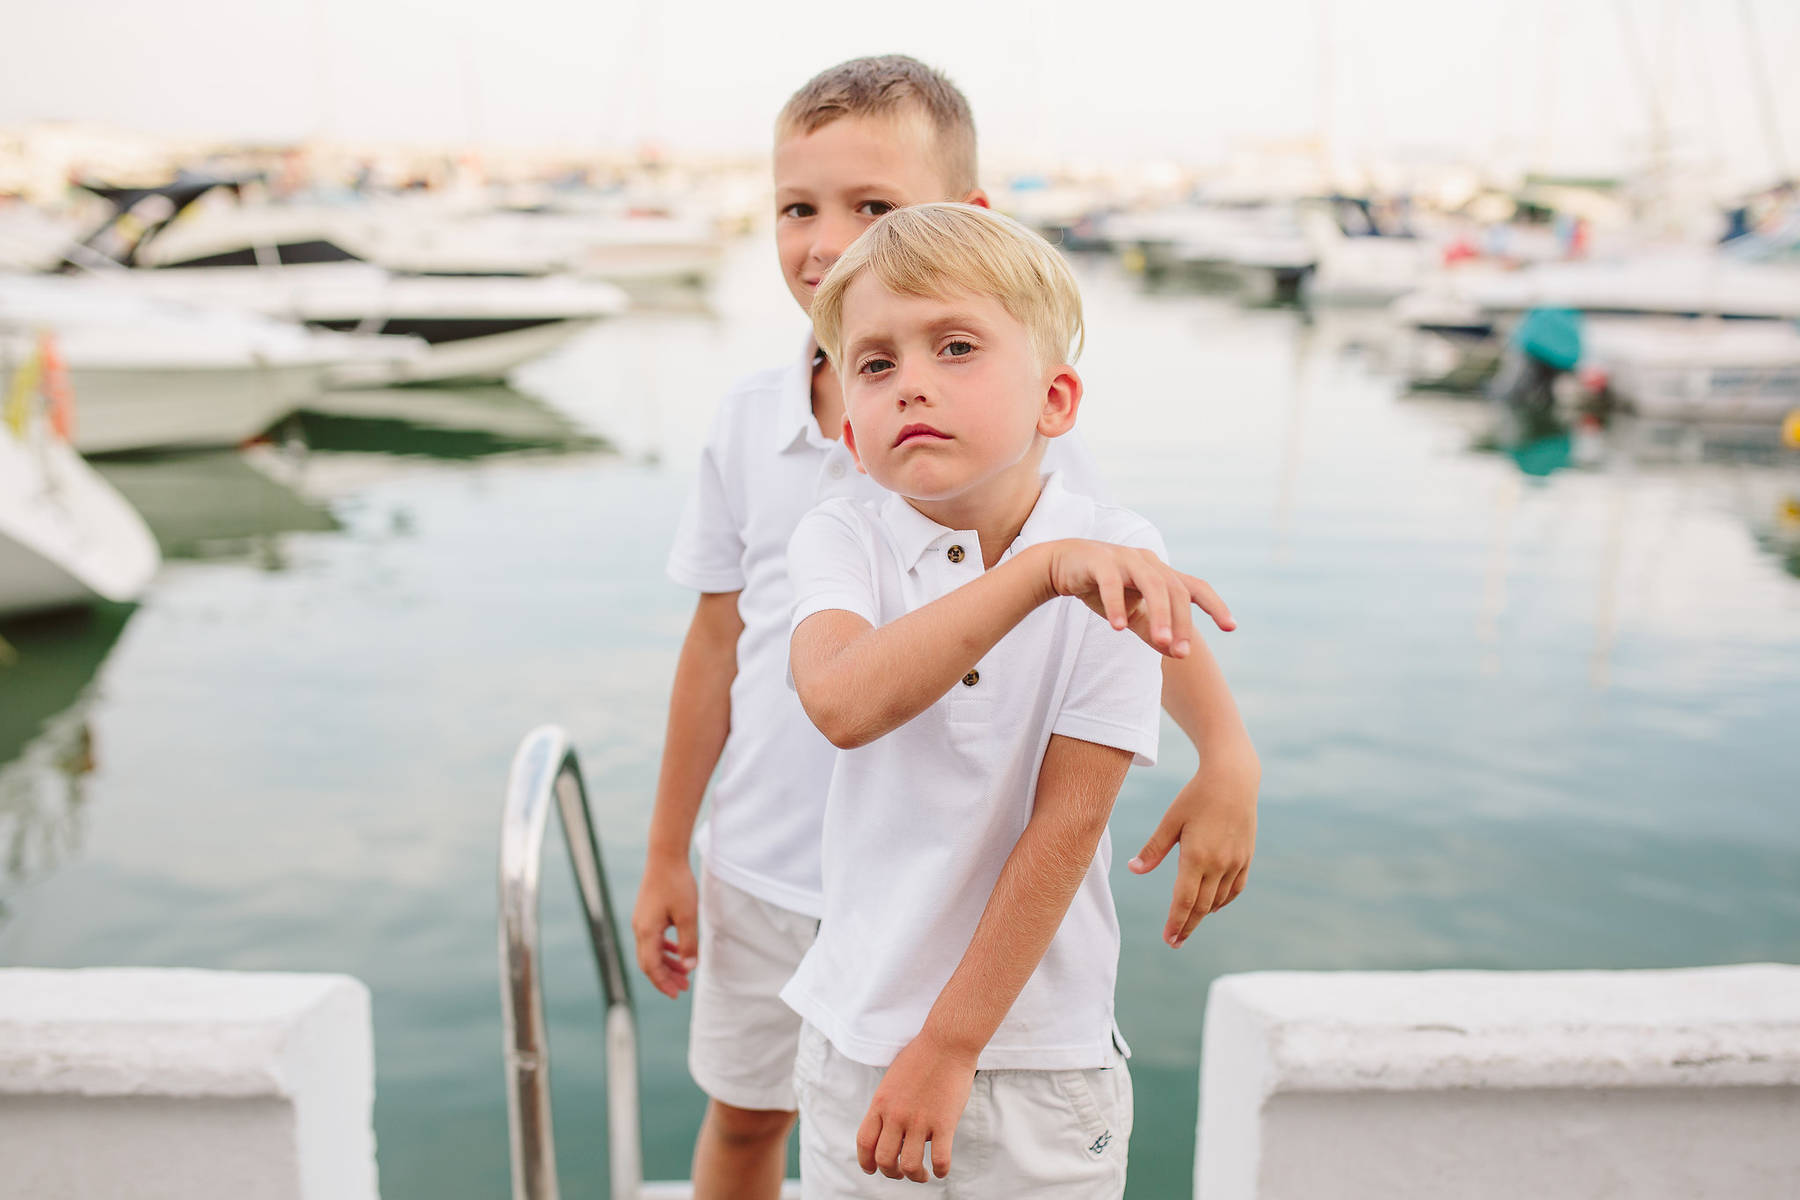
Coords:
858,141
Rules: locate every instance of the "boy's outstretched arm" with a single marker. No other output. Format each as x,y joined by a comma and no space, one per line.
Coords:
858,682
1213,818
921,1097
699,719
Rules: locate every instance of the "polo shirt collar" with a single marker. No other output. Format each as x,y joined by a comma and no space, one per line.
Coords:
795,421
1057,513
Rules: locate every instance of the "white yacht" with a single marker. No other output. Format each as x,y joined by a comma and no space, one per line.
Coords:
149,373
1703,368
66,537
296,265
1460,318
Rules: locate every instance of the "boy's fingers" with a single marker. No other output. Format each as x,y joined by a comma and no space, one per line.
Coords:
912,1156
1203,905
866,1136
1181,622
1160,843
1112,596
1228,894
941,1143
687,937
1202,594
1187,890
1156,606
887,1148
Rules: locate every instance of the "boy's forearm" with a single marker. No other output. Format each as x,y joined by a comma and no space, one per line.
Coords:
699,720
859,687
1076,789
1196,696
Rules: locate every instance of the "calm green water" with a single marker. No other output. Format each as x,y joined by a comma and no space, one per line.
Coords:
1506,721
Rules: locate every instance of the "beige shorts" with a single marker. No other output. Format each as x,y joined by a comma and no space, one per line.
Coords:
741,1037
1049,1135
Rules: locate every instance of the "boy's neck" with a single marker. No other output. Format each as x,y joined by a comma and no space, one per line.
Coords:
996,510
827,399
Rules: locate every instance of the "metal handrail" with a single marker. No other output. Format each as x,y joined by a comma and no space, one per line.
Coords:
544,765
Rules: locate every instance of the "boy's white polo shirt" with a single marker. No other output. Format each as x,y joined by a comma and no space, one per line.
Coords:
919,822
765,464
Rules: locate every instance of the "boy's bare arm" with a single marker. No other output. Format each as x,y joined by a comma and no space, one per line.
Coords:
699,719
922,1095
1213,818
858,682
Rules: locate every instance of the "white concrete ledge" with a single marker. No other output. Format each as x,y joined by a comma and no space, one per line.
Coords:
194,1084
1468,1083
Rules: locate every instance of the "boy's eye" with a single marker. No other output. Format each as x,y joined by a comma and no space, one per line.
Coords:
959,349
876,208
798,210
875,366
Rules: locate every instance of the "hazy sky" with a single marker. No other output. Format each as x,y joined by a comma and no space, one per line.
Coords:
1554,82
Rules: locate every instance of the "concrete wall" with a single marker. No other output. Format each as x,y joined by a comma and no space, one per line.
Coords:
1642,1084
189,1085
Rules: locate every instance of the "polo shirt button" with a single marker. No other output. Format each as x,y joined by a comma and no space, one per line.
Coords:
955,554
837,470
972,678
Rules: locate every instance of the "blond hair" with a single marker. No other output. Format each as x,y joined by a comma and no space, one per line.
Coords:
939,250
886,85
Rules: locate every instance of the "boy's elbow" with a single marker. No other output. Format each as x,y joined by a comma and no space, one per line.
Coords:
838,722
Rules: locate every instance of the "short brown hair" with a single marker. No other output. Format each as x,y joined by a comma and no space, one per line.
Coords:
938,250
881,86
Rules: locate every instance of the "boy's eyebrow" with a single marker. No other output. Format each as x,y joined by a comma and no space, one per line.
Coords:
936,326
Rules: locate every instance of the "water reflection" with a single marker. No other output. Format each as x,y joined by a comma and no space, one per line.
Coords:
446,423
46,743
219,503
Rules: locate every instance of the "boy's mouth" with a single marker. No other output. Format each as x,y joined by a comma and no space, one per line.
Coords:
917,432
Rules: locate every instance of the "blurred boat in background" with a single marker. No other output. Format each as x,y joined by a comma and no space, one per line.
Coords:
66,537
1695,368
476,327
155,374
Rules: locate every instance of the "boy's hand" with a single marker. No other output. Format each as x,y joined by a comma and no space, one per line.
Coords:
1133,589
1214,821
920,1099
667,897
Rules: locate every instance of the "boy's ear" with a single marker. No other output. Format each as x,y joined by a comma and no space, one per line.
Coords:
1062,399
850,444
978,198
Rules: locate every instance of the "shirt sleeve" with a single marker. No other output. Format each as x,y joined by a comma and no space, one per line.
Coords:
828,565
708,554
1114,696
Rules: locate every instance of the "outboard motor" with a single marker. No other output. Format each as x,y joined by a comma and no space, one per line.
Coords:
1546,344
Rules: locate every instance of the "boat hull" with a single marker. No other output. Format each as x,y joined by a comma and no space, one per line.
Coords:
67,538
136,408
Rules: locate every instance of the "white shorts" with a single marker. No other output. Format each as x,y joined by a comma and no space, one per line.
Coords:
1049,1135
741,1037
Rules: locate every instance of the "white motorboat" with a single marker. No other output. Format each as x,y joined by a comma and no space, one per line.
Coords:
1460,318
1699,368
148,373
66,537
476,327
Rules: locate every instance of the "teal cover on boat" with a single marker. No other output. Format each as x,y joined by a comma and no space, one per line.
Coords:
1552,336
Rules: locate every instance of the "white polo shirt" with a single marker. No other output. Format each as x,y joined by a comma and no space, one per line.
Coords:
765,464
918,823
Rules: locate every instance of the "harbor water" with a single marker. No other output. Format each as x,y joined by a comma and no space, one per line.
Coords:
1513,711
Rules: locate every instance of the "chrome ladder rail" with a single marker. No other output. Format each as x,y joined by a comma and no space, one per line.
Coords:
545,765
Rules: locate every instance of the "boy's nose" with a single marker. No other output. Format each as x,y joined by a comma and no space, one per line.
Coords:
834,237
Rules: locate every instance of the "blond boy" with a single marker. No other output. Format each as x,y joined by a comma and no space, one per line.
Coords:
985,719
858,141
